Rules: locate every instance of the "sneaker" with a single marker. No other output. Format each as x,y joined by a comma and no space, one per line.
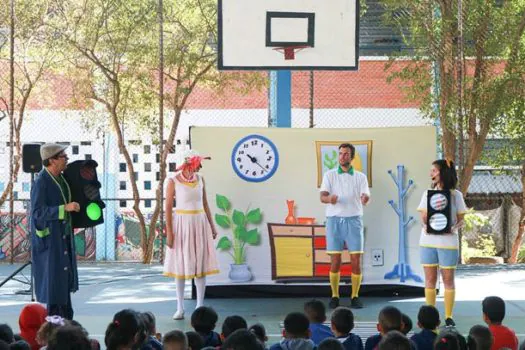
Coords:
356,303
334,302
450,322
179,315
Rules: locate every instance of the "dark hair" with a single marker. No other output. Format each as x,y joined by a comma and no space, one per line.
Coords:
296,325
428,317
348,145
447,173
195,341
204,319
330,344
45,162
233,323
394,340
390,319
407,324
69,338
494,308
149,322
242,339
6,333
46,330
479,338
20,345
4,345
315,310
259,331
175,336
450,339
343,319
126,325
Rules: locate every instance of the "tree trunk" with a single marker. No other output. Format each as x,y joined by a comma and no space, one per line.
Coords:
521,227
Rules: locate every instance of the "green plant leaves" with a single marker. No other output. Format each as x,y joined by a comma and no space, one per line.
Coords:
238,218
240,233
223,221
253,237
254,216
224,243
222,202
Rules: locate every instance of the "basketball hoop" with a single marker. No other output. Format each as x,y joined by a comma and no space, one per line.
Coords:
289,51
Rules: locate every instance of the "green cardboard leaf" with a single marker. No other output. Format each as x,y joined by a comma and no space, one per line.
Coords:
222,202
238,218
224,243
254,216
240,233
223,221
253,237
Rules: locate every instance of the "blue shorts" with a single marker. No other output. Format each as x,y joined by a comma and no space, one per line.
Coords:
341,230
434,257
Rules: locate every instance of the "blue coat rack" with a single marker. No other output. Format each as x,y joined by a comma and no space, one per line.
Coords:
402,269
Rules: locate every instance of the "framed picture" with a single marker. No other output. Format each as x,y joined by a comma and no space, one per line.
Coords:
328,157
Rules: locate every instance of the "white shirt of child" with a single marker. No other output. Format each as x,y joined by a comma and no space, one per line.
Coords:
443,241
348,189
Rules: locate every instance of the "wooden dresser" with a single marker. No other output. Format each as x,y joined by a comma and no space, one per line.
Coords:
299,253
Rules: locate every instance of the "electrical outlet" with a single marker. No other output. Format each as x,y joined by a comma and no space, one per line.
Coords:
377,257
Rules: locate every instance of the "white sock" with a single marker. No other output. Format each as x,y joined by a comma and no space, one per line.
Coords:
181,283
200,283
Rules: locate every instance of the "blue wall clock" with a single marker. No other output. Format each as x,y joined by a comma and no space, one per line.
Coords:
255,158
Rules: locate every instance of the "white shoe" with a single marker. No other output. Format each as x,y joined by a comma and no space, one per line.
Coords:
179,315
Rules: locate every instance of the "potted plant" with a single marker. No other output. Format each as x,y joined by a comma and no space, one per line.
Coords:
241,236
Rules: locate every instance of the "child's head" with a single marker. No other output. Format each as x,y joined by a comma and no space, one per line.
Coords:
242,339
195,341
315,311
342,321
428,317
125,330
175,340
69,338
19,345
6,333
330,344
260,332
407,324
390,319
296,325
32,317
493,310
149,323
231,324
394,340
450,339
45,331
479,338
204,319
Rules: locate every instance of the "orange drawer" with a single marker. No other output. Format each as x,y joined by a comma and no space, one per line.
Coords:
323,270
319,242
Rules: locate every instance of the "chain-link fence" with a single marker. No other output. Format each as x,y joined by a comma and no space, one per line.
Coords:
58,102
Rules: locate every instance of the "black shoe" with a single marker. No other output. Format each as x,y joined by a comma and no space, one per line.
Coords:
450,322
334,302
356,303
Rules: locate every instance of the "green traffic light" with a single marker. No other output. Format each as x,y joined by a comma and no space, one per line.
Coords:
93,211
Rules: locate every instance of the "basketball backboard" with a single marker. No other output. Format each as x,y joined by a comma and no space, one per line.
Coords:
288,34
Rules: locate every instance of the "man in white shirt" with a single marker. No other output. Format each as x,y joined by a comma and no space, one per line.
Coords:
345,191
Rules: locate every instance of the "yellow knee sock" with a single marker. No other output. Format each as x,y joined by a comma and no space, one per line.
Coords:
334,283
356,284
450,298
430,296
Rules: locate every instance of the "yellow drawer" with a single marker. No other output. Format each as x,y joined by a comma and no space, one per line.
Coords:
286,230
293,257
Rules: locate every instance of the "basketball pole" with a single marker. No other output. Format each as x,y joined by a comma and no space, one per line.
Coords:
280,100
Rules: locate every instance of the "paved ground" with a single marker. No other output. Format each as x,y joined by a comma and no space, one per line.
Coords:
109,287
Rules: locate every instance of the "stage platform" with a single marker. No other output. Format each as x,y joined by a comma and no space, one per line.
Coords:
106,288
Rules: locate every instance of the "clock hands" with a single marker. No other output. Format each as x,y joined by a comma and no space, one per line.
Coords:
254,160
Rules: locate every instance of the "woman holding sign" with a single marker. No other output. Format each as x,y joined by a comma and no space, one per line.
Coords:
442,209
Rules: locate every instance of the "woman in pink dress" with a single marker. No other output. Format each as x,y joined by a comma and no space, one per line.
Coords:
190,251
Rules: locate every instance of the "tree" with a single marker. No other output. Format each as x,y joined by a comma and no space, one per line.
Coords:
35,55
110,41
476,81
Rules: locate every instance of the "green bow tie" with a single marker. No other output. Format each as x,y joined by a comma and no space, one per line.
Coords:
350,171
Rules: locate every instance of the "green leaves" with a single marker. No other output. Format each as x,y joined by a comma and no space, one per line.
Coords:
238,218
254,216
222,202
224,243
223,221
